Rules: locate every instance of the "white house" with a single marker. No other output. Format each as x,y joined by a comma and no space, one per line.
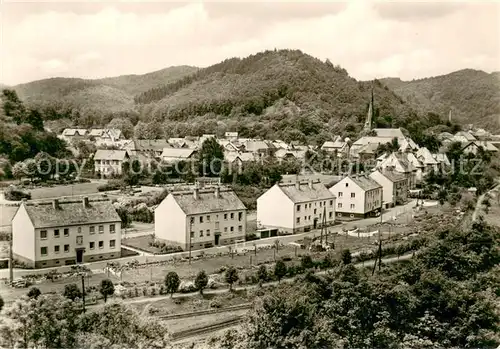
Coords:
201,218
399,162
109,162
358,196
62,232
172,155
427,159
296,207
394,187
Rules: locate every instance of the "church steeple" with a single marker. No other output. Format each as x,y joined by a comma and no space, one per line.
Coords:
369,116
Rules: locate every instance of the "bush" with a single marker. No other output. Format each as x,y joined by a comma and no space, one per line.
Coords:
113,184
215,303
14,194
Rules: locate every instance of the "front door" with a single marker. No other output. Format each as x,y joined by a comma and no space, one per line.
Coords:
315,223
217,236
79,256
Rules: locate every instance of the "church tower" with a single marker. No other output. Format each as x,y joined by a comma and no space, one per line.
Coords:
369,116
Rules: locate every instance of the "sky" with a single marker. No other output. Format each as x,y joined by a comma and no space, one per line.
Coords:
94,39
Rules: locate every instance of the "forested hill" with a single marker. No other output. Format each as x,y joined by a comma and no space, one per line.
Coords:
280,94
472,95
103,95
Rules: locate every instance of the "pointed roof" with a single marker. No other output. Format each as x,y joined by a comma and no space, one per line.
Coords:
306,191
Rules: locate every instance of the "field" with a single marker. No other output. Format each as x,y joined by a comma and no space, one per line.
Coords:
64,190
141,243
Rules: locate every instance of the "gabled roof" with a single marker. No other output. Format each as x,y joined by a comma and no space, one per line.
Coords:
365,183
306,192
255,146
389,133
412,159
179,153
485,144
467,135
74,132
337,143
244,157
370,148
156,145
442,158
393,176
282,153
105,154
207,201
424,155
71,212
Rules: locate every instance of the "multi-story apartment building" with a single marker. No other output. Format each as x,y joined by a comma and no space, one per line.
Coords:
358,196
201,218
109,162
296,207
394,187
64,232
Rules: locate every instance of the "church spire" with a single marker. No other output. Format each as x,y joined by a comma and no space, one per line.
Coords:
369,116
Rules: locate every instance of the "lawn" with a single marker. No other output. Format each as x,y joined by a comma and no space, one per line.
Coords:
141,243
64,190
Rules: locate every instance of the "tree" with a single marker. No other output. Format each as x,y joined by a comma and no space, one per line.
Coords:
71,291
35,119
280,270
172,282
231,276
34,292
346,257
18,170
211,157
201,281
133,171
107,289
262,274
124,125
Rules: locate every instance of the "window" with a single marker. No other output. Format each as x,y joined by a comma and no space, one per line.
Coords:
66,232
92,245
79,230
240,216
298,220
352,205
330,214
298,208
331,202
66,248
225,216
225,229
208,218
101,229
112,228
92,229
232,229
56,233
347,184
192,220
353,195
232,215
309,218
56,248
192,234
201,233
208,232
43,251
201,219
216,225
314,211
340,194
79,240
101,244
43,234
320,204
339,205
240,228
111,243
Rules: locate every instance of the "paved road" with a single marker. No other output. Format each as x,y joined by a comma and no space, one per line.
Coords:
368,263
99,266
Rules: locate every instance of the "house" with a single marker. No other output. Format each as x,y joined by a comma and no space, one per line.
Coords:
231,135
417,165
69,134
399,162
427,159
473,147
109,162
63,232
296,207
358,196
463,137
259,148
338,146
394,187
150,148
238,159
172,155
368,152
201,218
285,154
105,134
442,159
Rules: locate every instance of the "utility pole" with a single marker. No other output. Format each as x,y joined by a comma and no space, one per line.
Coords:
83,290
11,258
379,254
323,224
190,236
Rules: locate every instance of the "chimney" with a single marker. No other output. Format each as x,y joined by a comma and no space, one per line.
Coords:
195,193
85,202
310,184
55,204
297,184
217,192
